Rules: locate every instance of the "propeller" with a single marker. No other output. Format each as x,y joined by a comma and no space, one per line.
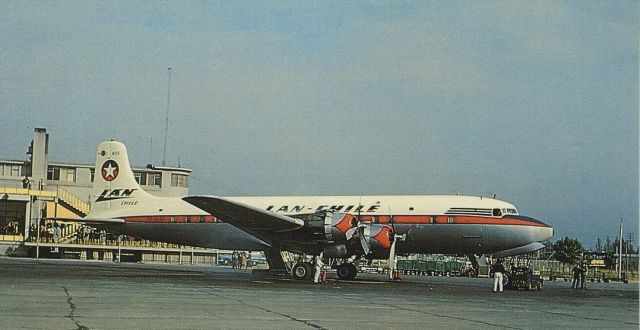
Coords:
393,237
362,230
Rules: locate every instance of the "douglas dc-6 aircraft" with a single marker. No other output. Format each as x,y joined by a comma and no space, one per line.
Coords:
343,227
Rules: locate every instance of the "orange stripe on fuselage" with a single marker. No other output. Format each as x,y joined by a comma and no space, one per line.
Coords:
399,219
456,219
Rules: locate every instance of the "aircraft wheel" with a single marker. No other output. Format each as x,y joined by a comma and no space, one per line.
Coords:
347,271
505,280
302,271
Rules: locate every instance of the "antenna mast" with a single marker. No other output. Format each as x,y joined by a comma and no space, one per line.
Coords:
166,121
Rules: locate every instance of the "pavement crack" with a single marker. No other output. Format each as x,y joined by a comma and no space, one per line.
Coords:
586,317
305,322
458,318
73,309
444,316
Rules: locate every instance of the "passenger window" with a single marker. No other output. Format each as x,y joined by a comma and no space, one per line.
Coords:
497,212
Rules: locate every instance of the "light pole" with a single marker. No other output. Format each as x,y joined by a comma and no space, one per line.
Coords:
620,252
26,184
5,201
38,216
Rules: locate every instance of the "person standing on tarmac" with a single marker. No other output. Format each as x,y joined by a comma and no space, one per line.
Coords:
243,260
234,260
576,271
317,274
583,275
498,271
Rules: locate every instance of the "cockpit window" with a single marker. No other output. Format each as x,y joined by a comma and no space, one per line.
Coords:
512,211
497,212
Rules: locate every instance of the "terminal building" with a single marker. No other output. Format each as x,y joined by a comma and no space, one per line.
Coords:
36,189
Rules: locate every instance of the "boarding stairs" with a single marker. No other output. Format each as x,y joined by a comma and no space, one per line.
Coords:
72,203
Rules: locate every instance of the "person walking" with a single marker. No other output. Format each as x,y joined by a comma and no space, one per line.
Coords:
498,273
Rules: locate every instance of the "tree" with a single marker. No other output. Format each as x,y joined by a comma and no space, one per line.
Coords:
568,250
609,260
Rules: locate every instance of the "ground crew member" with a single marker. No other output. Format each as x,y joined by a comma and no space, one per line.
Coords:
576,271
317,274
498,271
583,275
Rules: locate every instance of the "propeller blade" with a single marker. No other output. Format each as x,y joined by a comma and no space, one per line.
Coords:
392,258
351,233
363,239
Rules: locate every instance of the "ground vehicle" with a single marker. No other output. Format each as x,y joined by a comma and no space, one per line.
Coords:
525,278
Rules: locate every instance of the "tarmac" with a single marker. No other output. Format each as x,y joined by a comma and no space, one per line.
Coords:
73,294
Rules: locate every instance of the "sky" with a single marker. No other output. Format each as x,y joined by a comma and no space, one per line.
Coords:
534,101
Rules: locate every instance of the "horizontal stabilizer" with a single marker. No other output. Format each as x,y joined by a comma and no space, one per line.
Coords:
109,221
519,250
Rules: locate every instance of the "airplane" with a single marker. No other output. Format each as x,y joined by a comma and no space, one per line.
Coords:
348,228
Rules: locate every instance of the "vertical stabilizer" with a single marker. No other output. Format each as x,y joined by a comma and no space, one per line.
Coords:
114,181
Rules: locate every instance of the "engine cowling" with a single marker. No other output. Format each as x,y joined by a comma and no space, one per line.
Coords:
332,226
378,239
346,236
336,251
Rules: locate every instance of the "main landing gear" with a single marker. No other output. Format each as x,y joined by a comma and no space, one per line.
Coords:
302,271
347,271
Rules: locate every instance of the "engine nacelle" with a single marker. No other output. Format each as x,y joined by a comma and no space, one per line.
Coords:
380,237
332,226
335,251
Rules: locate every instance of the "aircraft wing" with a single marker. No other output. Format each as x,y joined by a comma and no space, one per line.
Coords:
245,217
99,221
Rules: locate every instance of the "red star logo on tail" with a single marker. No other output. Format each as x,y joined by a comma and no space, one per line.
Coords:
110,170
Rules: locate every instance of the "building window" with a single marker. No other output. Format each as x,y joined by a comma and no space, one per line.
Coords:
11,170
16,170
69,174
53,173
179,180
56,173
148,179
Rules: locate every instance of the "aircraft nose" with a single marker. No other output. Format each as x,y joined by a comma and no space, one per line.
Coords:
544,231
540,230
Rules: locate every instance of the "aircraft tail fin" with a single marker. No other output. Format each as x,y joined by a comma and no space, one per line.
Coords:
114,181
